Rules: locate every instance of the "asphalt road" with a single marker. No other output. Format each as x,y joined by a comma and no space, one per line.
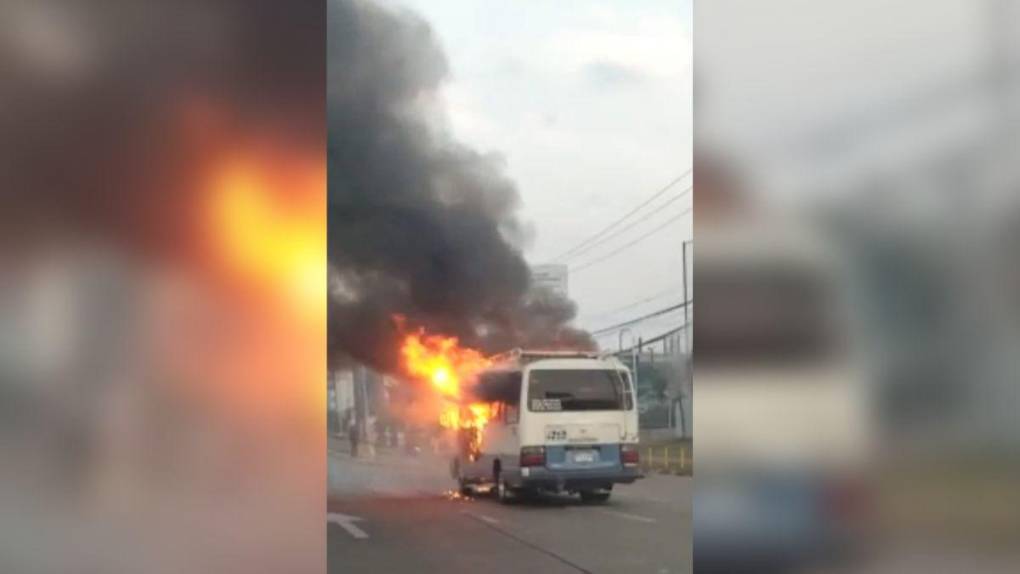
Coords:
396,514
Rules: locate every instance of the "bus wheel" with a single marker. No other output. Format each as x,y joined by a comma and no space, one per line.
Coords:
504,493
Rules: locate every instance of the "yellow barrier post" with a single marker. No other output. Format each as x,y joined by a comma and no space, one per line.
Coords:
665,458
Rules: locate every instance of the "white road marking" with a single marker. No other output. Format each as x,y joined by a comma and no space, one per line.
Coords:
629,516
346,522
482,517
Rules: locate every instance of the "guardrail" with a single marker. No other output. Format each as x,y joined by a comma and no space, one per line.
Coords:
674,459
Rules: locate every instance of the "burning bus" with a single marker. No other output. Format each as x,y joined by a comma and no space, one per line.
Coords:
552,421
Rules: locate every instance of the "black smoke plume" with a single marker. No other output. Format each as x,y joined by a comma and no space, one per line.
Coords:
419,225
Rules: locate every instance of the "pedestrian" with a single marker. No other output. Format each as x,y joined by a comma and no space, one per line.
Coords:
352,435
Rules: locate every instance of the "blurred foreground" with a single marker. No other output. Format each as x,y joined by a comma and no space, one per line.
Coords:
857,222
163,292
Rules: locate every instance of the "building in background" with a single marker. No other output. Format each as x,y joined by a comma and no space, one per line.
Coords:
551,276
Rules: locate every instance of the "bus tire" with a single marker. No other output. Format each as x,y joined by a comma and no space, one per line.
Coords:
504,493
463,487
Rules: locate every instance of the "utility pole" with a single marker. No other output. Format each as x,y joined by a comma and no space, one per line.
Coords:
361,407
634,359
620,337
687,305
363,430
333,392
358,375
688,328
680,413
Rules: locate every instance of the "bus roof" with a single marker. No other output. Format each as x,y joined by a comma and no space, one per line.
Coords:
522,356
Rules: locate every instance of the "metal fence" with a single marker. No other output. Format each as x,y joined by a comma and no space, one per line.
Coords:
667,459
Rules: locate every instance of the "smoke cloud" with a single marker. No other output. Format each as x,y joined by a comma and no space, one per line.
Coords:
419,224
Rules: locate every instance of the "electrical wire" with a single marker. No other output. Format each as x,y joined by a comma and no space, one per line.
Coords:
669,333
655,211
632,243
669,291
613,225
636,320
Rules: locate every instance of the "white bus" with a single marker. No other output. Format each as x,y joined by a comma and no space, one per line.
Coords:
560,422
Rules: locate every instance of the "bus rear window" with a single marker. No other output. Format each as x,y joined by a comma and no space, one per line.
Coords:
574,390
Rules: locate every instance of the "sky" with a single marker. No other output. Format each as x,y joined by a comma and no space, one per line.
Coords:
589,105
871,64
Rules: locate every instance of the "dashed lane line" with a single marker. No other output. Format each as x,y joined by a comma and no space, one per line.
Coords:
628,516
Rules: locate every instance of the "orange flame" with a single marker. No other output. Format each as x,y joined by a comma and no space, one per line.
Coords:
471,416
441,361
267,222
261,215
446,366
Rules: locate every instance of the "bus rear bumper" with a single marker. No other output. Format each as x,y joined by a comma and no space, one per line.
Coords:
556,480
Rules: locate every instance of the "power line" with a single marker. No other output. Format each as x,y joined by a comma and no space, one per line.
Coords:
623,230
630,226
669,333
639,319
632,243
669,291
613,225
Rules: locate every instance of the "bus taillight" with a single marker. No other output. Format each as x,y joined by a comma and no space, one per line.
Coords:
629,455
532,456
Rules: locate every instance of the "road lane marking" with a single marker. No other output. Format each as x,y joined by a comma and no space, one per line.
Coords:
482,517
346,522
629,516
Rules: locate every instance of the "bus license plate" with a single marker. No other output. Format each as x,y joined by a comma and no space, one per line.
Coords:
584,456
